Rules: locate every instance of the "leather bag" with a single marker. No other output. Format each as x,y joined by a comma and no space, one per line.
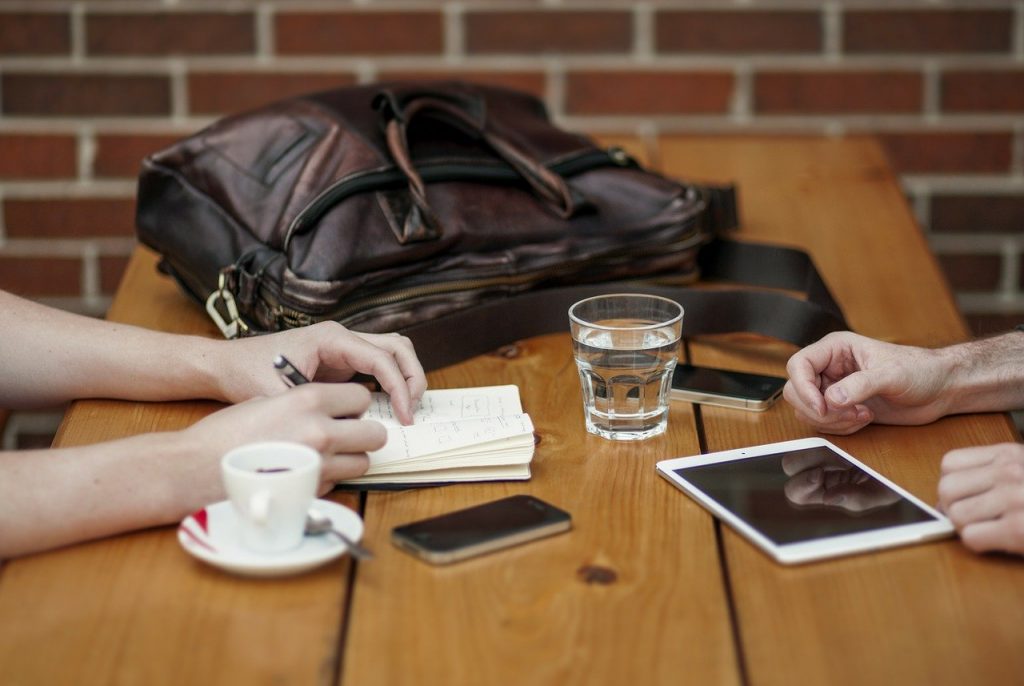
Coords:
454,213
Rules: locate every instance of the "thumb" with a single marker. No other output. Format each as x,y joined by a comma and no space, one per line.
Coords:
858,387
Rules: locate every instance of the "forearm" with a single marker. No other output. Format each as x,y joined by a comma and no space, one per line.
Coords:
48,357
986,375
56,497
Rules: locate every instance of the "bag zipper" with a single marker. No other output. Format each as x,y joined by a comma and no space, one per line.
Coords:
292,318
394,178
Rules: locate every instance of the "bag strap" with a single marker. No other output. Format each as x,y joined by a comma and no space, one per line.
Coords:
484,328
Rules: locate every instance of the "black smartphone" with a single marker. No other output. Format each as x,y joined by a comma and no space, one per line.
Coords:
481,529
726,388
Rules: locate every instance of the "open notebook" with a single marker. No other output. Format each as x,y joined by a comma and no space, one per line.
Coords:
459,434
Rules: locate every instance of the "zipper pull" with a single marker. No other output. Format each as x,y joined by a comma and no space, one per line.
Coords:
291,319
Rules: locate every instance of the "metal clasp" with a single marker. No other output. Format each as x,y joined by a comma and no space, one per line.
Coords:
232,326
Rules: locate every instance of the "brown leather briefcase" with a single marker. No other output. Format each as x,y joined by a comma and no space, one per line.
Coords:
457,214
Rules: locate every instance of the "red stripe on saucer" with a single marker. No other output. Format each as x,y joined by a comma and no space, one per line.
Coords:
195,538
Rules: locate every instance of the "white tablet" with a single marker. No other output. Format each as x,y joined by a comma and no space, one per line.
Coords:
805,500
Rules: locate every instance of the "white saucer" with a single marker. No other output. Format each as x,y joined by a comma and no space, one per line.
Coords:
210,535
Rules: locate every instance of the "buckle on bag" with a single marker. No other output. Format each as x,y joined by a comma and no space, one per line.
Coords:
232,326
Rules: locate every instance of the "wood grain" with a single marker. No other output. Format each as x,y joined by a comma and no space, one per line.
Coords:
903,616
535,614
136,609
646,589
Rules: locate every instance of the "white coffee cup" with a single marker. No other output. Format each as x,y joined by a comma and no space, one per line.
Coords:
271,485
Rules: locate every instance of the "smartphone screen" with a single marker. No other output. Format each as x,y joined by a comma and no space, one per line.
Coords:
725,387
481,529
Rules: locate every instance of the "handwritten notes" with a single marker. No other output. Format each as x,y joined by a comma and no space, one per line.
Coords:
460,434
451,404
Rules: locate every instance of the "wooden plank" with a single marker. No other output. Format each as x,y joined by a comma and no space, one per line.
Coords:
136,609
540,614
926,614
530,615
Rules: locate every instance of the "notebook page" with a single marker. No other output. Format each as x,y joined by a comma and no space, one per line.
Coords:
449,404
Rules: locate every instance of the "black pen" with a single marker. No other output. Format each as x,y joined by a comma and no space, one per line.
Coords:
291,376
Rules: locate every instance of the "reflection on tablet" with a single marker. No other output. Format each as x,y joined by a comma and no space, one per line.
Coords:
804,494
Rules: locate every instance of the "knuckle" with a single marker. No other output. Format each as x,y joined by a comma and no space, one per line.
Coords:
316,437
1010,471
359,395
305,398
945,491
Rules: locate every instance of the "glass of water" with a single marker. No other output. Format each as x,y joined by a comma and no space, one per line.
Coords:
626,348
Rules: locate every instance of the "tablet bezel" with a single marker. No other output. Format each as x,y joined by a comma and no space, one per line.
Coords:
816,549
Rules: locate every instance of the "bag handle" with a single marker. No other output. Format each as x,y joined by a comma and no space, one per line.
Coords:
467,116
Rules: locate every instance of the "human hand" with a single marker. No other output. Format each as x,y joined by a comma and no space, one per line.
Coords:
820,478
845,381
323,352
322,416
982,492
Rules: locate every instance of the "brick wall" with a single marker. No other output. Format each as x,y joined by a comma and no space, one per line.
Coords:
87,88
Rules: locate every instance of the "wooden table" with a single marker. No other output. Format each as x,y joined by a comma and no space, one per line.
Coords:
647,589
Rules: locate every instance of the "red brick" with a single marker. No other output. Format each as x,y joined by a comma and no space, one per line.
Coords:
29,33
69,217
738,31
41,276
121,155
983,91
548,31
37,156
224,92
837,92
647,92
990,324
949,153
972,272
351,33
929,30
111,270
170,33
977,214
85,94
528,81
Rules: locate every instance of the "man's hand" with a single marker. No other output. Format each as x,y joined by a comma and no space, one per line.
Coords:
846,381
982,492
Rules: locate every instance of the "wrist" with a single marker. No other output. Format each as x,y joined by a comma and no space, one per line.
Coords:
986,375
205,364
191,475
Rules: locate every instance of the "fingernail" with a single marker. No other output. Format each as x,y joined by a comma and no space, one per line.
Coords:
815,477
838,395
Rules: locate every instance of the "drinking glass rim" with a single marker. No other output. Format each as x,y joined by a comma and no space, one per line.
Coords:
643,327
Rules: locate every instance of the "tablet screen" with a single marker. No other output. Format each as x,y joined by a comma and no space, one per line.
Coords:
803,494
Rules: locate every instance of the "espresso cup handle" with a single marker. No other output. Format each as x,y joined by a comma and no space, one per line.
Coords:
259,507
